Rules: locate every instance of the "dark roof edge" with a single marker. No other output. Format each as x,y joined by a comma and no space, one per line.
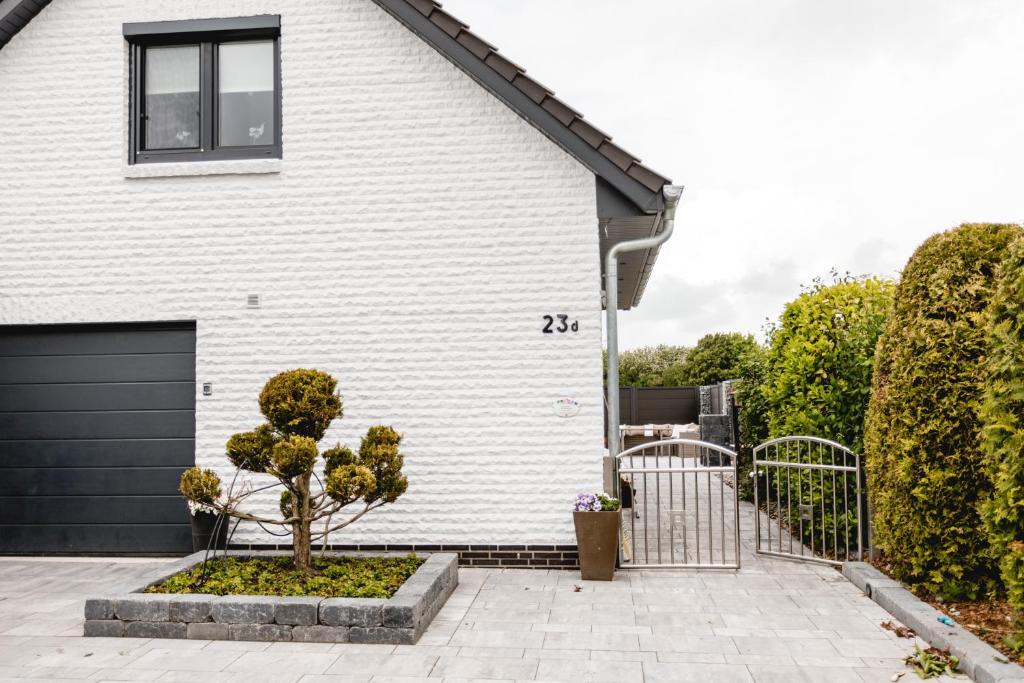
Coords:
646,196
15,15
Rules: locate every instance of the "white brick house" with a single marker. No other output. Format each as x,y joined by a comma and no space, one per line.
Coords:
425,204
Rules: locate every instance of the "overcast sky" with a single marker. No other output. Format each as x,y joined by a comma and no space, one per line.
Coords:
810,134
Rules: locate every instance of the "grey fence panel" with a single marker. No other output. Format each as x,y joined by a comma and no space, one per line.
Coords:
658,405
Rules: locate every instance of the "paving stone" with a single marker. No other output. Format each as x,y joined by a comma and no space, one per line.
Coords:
243,609
190,608
141,607
320,634
299,611
155,629
209,631
106,628
261,632
363,612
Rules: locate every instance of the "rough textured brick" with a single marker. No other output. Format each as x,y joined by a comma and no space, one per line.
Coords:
413,238
261,632
351,612
381,634
190,608
209,631
243,609
403,612
108,628
296,610
99,608
155,629
320,634
142,607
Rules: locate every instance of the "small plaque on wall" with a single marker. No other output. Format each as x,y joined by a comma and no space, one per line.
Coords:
567,407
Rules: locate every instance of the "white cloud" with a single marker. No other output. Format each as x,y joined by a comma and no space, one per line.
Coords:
810,134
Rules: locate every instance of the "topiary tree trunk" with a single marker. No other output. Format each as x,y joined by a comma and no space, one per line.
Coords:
299,406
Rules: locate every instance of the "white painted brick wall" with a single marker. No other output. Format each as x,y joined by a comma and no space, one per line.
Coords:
416,233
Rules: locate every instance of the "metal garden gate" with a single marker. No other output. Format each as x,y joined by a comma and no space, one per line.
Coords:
680,507
808,499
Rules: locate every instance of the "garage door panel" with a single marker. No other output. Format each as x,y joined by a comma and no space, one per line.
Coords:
91,481
97,423
156,424
98,453
171,367
32,340
92,509
96,538
64,397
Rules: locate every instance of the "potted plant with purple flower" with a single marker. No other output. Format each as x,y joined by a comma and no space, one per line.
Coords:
596,518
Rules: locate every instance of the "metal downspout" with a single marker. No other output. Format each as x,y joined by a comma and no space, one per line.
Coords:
672,194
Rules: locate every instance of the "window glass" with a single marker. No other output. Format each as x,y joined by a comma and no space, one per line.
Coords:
172,97
245,98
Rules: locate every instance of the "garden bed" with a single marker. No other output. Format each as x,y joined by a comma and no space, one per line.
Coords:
302,611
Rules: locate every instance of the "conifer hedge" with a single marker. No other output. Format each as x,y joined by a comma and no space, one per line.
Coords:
1002,413
924,461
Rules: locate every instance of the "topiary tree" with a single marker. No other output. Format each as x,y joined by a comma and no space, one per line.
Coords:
819,360
714,359
922,434
1002,414
299,406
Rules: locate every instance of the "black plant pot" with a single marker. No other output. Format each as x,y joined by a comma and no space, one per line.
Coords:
203,525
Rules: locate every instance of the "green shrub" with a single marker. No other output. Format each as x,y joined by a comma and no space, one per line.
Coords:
715,358
752,412
819,360
922,434
646,366
1002,414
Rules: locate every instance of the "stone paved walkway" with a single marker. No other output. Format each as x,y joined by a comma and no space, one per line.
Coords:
772,621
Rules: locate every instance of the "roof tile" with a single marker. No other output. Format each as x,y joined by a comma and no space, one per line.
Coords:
592,136
534,90
646,177
472,42
618,156
560,110
447,23
503,66
425,7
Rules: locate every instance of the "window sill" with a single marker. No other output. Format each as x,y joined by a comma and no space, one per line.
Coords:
194,168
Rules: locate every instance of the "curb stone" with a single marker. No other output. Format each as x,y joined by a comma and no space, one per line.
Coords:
978,659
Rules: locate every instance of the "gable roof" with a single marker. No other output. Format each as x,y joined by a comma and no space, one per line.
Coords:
15,15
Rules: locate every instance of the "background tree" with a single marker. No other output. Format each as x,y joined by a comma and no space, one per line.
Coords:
299,406
645,366
715,358
819,360
926,474
1002,414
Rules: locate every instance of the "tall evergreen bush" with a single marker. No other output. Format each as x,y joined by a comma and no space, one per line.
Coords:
1002,414
926,474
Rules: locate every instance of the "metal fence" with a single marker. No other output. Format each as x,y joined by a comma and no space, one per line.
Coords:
680,507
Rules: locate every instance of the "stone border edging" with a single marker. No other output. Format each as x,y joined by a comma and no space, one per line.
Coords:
977,658
402,619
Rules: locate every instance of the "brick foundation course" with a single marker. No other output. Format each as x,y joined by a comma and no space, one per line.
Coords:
402,619
522,556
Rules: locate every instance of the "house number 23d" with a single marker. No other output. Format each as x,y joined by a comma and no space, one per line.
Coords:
559,323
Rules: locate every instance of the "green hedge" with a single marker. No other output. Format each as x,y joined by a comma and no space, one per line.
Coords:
922,435
1002,414
819,360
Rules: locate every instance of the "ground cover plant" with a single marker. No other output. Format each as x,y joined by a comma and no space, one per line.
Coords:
926,474
345,577
299,406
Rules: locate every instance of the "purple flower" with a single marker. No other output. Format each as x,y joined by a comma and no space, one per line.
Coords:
587,502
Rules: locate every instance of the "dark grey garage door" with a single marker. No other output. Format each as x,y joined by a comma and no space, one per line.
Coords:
97,423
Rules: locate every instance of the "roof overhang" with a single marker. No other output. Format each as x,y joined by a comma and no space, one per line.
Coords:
15,15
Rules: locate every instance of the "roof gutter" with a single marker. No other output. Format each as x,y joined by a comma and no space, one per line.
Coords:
672,194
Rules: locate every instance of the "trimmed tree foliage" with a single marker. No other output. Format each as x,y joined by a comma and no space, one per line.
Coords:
819,360
922,437
715,358
1002,413
299,406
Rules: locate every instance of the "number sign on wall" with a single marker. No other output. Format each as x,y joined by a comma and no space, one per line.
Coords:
559,324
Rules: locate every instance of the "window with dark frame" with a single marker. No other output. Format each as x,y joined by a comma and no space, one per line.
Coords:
205,89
